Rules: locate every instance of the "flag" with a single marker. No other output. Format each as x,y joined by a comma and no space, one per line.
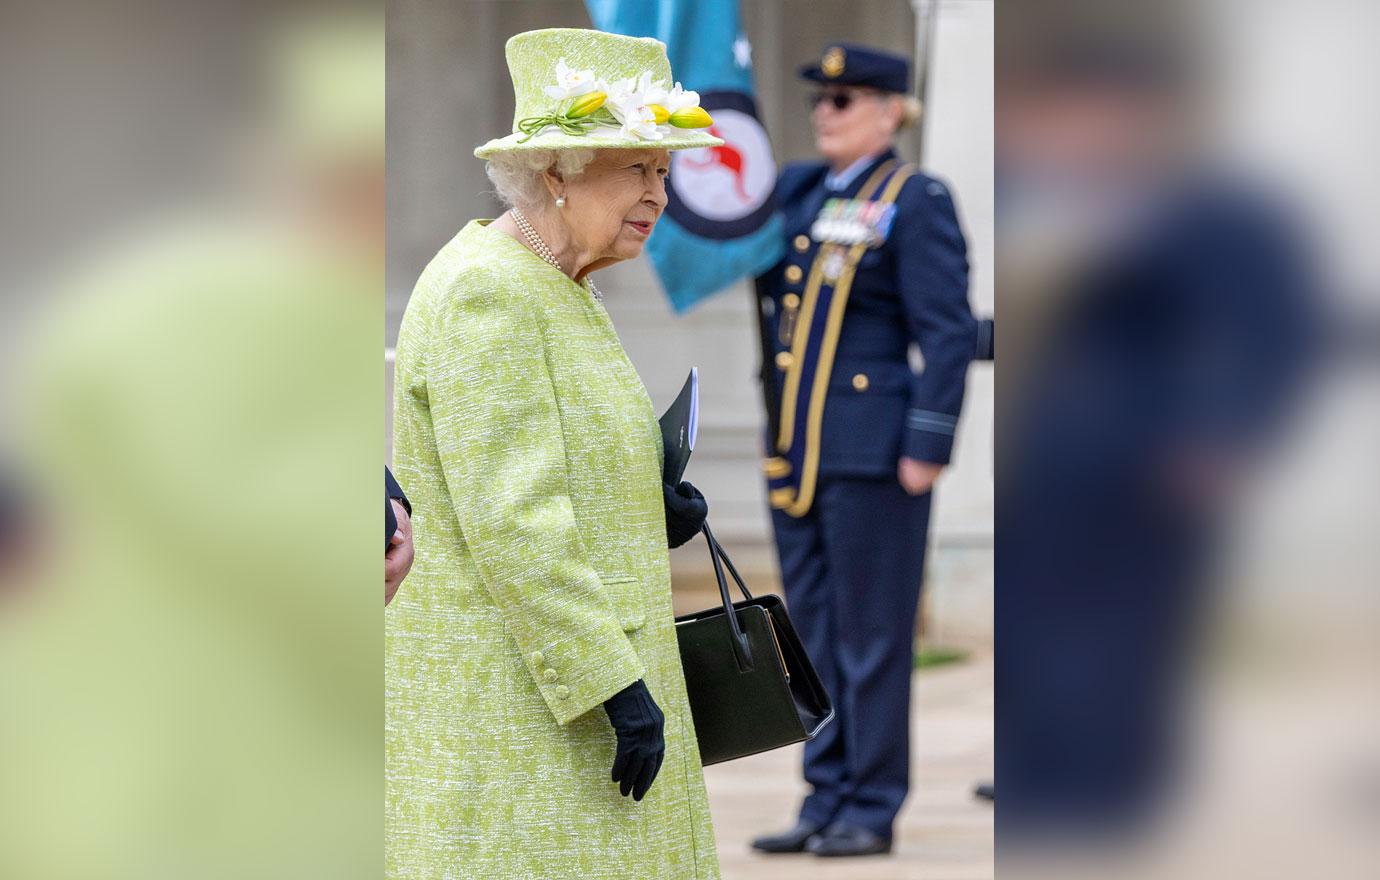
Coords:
720,222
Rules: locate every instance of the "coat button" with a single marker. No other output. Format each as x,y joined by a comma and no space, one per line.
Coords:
793,274
860,382
551,676
791,301
784,359
802,243
537,658
562,693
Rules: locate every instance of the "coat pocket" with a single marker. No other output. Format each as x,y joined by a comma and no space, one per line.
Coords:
864,415
625,594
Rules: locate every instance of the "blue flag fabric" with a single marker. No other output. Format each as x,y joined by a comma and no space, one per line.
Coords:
721,222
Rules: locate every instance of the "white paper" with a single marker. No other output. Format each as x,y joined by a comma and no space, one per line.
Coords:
694,405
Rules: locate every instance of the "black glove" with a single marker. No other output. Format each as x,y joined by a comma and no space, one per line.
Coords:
685,512
638,722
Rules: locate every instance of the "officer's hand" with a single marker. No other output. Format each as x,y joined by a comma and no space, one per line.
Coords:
640,727
917,477
397,559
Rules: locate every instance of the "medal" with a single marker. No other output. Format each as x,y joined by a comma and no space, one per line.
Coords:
834,263
853,221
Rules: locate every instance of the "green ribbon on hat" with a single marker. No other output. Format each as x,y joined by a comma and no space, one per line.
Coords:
533,125
568,122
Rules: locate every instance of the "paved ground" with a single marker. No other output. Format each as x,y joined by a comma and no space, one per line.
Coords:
943,834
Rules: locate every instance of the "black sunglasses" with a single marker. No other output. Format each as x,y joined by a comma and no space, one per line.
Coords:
840,100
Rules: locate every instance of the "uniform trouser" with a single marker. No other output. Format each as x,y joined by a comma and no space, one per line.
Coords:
852,568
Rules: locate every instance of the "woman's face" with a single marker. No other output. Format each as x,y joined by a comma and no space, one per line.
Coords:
611,207
864,125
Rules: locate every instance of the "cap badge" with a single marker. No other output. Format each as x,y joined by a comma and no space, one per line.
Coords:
832,65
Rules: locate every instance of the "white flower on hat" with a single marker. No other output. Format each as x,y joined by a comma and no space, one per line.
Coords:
639,120
680,99
571,83
633,92
653,91
632,104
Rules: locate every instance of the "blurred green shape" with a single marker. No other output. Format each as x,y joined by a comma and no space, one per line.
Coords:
929,658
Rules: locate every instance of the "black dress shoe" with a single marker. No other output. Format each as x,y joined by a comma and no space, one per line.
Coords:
839,840
792,841
986,791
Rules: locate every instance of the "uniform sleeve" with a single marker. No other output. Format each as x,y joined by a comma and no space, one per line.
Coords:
498,434
390,521
932,277
392,490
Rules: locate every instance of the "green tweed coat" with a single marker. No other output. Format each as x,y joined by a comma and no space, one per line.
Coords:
531,454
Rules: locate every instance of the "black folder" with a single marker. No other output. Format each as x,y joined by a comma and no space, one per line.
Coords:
678,428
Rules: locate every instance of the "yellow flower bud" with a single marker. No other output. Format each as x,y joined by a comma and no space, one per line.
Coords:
691,117
586,104
660,112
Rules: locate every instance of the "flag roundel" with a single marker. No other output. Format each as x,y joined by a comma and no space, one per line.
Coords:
725,192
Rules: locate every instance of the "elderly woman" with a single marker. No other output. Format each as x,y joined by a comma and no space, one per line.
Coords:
534,688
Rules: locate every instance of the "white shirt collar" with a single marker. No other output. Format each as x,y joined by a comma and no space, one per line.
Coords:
840,181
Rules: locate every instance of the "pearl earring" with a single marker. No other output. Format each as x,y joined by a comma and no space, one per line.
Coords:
560,201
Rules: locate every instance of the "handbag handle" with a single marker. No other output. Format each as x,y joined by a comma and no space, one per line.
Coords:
716,547
742,649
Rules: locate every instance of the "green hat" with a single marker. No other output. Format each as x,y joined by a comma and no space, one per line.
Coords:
585,89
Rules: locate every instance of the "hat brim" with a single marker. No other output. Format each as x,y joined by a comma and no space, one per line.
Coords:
813,73
599,139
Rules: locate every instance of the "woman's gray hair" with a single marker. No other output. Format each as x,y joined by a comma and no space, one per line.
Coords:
517,176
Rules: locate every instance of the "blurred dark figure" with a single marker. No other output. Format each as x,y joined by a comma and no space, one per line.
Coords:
16,531
1165,320
397,536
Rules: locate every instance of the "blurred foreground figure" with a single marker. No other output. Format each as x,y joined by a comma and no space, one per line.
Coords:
1165,323
194,689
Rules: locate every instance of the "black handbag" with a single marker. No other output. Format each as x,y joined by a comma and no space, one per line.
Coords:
752,687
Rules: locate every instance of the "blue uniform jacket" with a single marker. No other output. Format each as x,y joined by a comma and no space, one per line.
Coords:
913,287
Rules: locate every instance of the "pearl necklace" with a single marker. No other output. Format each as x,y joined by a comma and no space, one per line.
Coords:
539,247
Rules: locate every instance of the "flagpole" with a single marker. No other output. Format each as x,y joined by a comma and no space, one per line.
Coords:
926,15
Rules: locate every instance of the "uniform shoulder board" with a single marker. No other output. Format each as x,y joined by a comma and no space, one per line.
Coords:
929,191
920,182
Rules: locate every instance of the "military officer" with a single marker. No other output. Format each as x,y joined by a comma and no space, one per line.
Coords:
875,260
